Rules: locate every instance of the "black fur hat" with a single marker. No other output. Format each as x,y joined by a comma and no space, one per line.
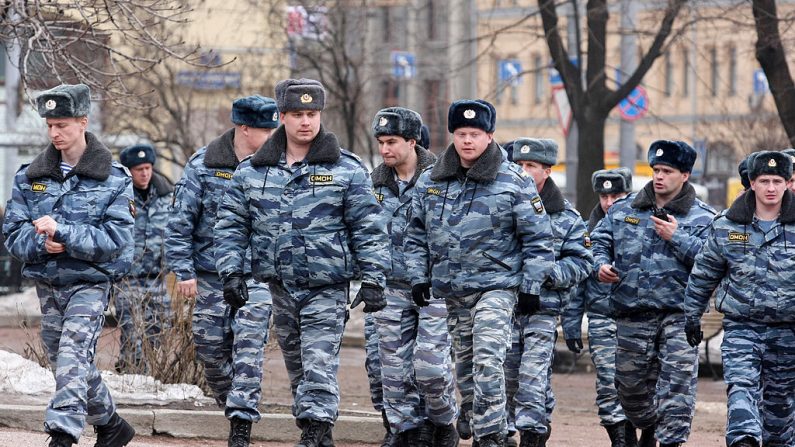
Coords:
475,113
137,154
425,137
770,163
612,181
540,150
64,101
300,94
398,121
742,169
255,111
676,154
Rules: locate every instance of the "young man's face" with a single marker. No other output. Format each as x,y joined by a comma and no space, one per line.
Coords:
607,200
65,133
668,180
141,175
470,143
395,150
538,171
769,189
301,126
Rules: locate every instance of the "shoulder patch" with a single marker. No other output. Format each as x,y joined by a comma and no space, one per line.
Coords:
632,220
223,174
132,208
735,236
378,196
538,206
321,179
38,187
433,191
586,240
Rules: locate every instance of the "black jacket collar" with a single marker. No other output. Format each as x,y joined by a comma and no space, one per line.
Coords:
161,185
95,163
743,208
552,197
325,148
383,175
597,214
484,170
679,205
221,152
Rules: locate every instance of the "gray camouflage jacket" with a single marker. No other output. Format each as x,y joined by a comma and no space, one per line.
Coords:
151,217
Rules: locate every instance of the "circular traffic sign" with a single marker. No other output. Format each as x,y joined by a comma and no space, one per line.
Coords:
635,105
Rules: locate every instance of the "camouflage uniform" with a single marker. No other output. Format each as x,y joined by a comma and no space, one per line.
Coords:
528,366
414,341
308,225
478,237
230,345
593,297
656,369
141,297
93,206
754,274
372,362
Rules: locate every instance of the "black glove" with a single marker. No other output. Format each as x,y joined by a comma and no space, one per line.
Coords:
235,291
421,293
373,297
693,331
574,345
528,304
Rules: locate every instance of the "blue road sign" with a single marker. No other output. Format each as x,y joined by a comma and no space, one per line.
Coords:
635,105
403,65
510,71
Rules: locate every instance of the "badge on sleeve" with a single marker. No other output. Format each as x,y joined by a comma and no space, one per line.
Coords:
132,208
538,206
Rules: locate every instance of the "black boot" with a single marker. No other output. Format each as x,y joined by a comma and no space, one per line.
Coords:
746,442
510,441
672,444
647,437
312,433
630,434
60,439
445,436
492,440
530,438
328,439
390,440
617,433
116,433
239,432
545,436
462,427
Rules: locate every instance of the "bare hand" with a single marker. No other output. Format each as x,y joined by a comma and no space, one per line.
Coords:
45,225
665,229
607,275
188,288
53,247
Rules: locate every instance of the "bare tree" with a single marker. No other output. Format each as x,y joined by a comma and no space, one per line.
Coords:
590,96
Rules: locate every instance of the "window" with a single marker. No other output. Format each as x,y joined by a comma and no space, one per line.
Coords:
685,72
669,76
732,71
430,25
714,71
538,79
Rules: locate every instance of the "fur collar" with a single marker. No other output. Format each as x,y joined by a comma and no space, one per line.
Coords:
679,205
383,175
325,149
161,185
742,210
552,197
597,214
95,163
484,170
221,152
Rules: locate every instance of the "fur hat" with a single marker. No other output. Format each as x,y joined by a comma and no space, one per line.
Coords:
398,121
137,154
791,152
770,163
676,154
64,101
425,137
300,94
742,169
475,113
540,150
255,111
612,181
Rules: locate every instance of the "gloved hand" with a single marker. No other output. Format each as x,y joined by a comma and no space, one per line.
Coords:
693,331
574,345
421,293
235,290
528,304
373,297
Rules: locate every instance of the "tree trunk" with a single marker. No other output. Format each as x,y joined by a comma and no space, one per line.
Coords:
591,155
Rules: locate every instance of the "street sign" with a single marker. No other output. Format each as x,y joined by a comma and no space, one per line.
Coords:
635,105
510,71
700,165
403,65
564,108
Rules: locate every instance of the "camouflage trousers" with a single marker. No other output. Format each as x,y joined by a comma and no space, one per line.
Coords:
759,370
231,347
143,312
528,373
71,321
372,362
309,326
415,360
656,374
480,326
602,346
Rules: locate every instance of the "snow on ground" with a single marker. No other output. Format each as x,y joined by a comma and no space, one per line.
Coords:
21,376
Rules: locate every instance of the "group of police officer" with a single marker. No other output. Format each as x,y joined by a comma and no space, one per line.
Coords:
466,263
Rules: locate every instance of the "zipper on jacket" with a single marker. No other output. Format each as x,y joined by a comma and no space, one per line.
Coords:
494,259
344,253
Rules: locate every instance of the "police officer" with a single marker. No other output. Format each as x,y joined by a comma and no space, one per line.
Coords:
70,220
528,366
306,209
141,298
748,258
478,236
593,297
791,153
645,247
229,339
419,391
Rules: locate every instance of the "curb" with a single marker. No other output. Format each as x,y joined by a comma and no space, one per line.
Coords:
204,424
